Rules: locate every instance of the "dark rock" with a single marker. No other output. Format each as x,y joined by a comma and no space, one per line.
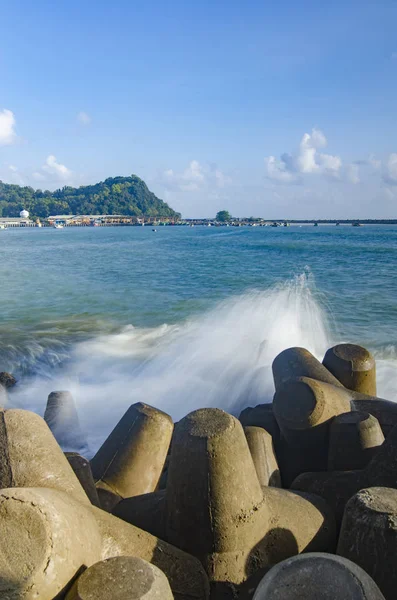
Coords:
7,380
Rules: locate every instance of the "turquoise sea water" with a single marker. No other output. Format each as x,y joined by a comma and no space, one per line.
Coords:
187,317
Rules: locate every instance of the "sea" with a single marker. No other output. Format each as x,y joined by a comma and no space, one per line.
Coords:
184,317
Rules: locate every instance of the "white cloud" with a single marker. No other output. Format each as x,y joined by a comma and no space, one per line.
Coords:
7,127
390,170
84,118
279,170
55,168
307,160
329,164
53,171
195,177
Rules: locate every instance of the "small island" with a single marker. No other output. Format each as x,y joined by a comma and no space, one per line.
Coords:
123,196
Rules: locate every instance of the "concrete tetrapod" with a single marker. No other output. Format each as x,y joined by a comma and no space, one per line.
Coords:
261,415
383,410
121,578
48,537
82,469
369,535
298,457
304,409
31,457
61,417
338,487
217,510
185,574
354,366
299,362
260,444
130,462
145,511
317,575
354,439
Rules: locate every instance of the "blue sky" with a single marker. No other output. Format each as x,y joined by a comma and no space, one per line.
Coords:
271,109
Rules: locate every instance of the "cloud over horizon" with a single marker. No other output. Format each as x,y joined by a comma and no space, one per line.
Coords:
52,170
7,127
195,177
304,176
307,160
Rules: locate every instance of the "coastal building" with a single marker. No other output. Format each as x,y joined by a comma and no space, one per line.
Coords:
82,220
103,220
89,219
64,219
16,222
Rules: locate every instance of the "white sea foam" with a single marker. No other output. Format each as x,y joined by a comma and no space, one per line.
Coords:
221,359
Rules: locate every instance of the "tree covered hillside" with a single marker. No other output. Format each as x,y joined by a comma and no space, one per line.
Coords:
114,196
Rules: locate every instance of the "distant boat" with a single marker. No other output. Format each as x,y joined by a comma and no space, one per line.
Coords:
154,229
274,225
2,226
315,224
58,226
356,224
336,224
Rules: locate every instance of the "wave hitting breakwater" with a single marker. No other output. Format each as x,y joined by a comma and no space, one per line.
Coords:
221,359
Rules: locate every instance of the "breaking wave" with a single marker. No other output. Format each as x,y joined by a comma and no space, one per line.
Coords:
220,359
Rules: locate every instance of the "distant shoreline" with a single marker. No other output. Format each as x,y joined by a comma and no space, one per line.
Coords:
132,221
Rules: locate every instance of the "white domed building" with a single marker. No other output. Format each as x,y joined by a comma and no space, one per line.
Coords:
21,221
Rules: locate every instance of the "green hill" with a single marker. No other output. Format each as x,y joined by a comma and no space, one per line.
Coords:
114,196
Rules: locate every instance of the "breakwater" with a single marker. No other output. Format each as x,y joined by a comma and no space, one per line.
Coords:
296,498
